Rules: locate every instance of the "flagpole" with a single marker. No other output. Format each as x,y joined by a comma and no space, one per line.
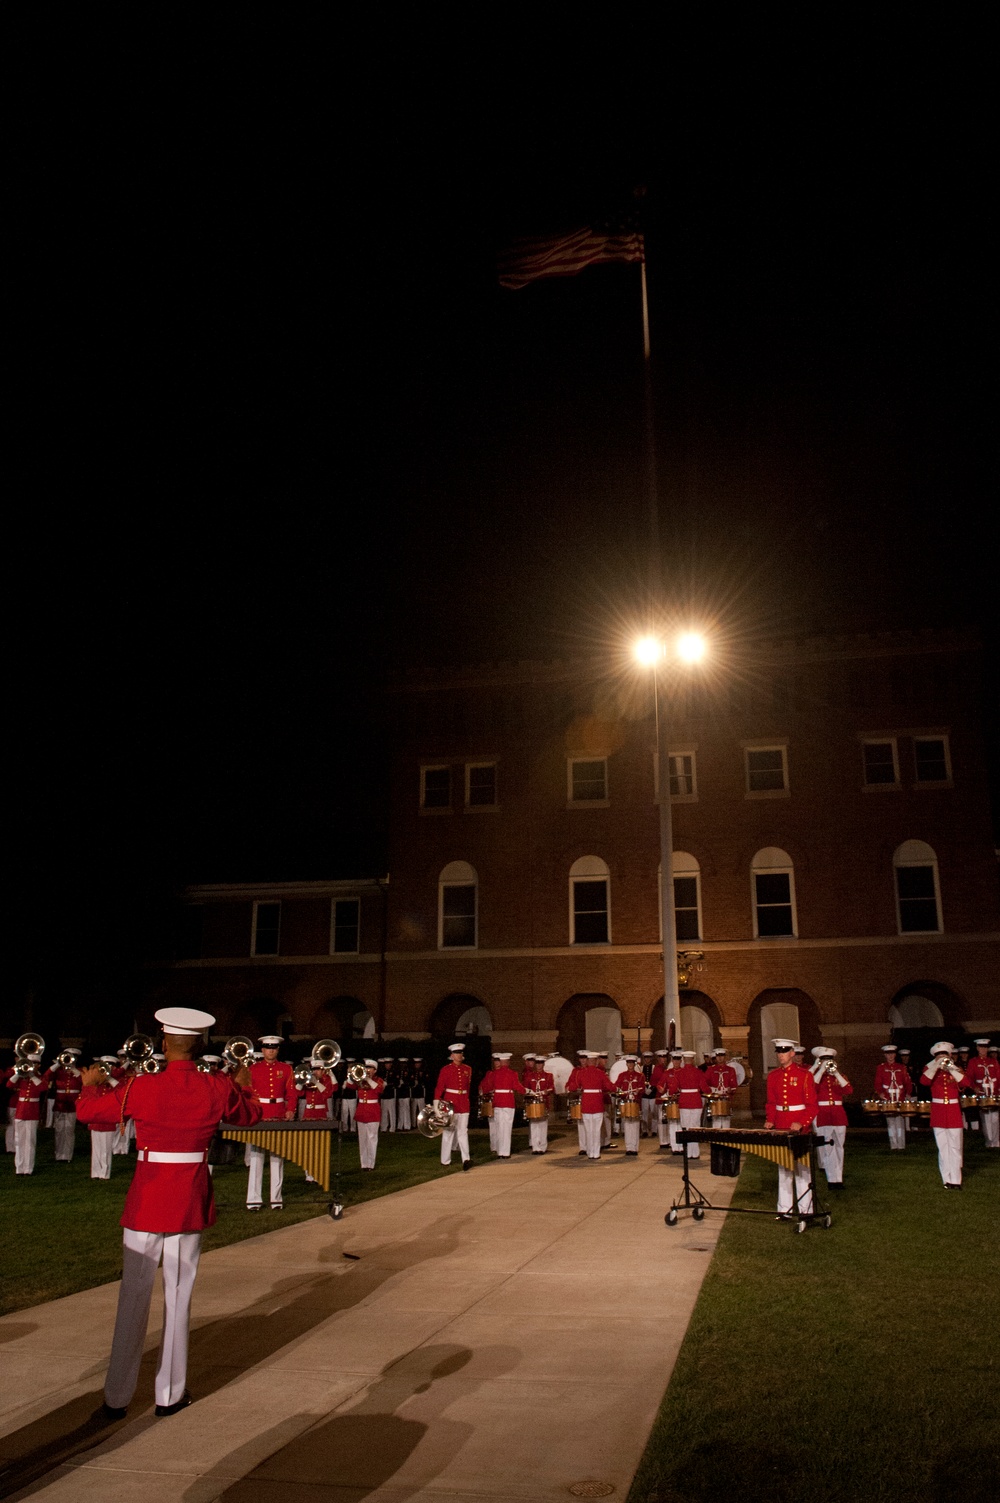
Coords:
652,496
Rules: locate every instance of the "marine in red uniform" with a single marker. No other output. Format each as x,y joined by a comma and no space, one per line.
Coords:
791,1107
984,1076
30,1092
453,1085
831,1118
273,1083
722,1082
630,1086
537,1079
169,1202
368,1115
947,1082
689,1083
592,1083
67,1083
893,1083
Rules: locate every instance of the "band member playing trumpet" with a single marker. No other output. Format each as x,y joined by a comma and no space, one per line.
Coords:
984,1075
170,1200
31,1086
946,1081
592,1083
273,1082
722,1082
101,1136
630,1086
506,1087
368,1116
540,1086
791,1107
831,1119
68,1084
453,1085
893,1083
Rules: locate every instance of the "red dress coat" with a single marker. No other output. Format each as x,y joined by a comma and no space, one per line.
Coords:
453,1085
893,1082
542,1082
689,1083
505,1083
175,1112
29,1096
791,1099
984,1077
593,1084
317,1098
630,1085
68,1087
945,1091
830,1093
721,1078
275,1089
369,1109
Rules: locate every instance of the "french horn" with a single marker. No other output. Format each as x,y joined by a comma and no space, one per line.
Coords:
238,1051
327,1052
435,1118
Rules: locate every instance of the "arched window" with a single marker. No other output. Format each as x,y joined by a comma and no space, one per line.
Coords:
604,1030
589,902
475,1020
918,894
687,897
915,1011
363,1025
697,1032
457,907
772,877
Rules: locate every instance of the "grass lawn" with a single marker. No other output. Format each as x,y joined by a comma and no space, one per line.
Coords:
856,1365
60,1232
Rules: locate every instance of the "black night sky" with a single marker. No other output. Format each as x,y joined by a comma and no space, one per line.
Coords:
281,433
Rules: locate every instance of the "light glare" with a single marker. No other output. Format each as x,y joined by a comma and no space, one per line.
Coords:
649,651
690,647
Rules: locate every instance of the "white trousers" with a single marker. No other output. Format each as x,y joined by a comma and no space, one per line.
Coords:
631,1127
802,1189
50,1110
388,1115
690,1117
25,1140
605,1129
592,1123
581,1134
991,1128
255,1180
949,1146
403,1123
367,1143
724,1123
830,1152
347,1109
491,1123
100,1160
896,1128
64,1125
503,1116
142,1254
458,1133
120,1138
538,1135
9,1138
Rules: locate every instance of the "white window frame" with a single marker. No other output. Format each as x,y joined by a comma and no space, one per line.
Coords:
333,926
425,768
471,808
258,904
589,869
762,746
880,787
784,868
672,753
686,872
585,803
458,874
945,782
924,857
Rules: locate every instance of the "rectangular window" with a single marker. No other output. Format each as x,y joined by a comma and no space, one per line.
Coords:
590,911
481,785
588,781
773,904
916,892
266,929
686,908
767,769
930,756
881,768
683,777
345,919
458,916
435,787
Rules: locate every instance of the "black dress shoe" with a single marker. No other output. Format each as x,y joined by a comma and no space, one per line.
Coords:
466,1164
113,1414
162,1410
582,1154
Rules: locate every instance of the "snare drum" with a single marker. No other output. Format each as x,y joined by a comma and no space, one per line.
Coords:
891,1108
631,1111
969,1103
923,1108
988,1103
719,1106
486,1109
671,1112
575,1104
534,1111
872,1107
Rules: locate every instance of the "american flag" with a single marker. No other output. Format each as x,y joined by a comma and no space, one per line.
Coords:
531,258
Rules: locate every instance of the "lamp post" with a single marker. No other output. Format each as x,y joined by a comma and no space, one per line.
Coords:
653,653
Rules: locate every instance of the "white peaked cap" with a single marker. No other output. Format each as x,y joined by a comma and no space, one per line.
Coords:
212,1059
783,1043
505,1056
269,1040
372,1064
943,1048
186,1021
719,1051
456,1048
887,1047
975,1041
687,1054
820,1051
76,1051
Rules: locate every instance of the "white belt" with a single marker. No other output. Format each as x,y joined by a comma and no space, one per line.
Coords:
153,1156
826,1103
66,1091
271,1100
451,1090
591,1091
790,1108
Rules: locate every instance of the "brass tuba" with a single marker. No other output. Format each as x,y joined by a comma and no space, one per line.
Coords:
435,1118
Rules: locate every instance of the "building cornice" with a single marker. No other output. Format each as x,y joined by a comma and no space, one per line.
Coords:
245,892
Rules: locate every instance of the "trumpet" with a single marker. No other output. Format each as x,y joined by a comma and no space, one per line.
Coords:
357,1074
67,1059
305,1078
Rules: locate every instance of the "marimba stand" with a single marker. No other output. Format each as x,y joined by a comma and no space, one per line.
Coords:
299,1142
784,1148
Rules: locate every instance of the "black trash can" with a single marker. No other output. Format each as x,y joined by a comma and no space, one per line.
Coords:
725,1160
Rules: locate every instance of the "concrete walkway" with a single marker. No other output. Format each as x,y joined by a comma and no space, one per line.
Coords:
505,1334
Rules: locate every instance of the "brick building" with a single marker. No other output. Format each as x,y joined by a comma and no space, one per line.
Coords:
834,871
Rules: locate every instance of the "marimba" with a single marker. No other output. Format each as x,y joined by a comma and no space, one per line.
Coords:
784,1148
305,1143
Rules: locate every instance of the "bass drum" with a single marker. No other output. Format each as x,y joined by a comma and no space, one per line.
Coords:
744,1074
